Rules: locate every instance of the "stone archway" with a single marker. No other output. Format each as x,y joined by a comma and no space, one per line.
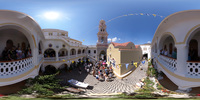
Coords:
167,43
49,53
102,55
49,69
11,38
145,56
63,68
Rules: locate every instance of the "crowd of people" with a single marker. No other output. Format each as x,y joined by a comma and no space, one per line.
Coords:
165,52
99,70
102,72
14,53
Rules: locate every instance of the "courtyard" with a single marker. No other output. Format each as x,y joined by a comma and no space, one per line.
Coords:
116,85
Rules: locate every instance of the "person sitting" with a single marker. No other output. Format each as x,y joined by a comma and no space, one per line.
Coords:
161,52
174,54
19,53
165,52
5,54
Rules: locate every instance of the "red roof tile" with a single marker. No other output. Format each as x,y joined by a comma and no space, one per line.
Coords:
136,46
120,44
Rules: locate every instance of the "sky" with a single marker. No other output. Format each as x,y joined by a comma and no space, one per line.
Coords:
126,20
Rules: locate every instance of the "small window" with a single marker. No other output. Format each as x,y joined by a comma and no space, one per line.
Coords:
88,51
63,45
94,51
50,45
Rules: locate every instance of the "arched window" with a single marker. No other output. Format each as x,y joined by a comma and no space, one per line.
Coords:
94,51
39,49
83,51
49,53
155,47
73,52
79,51
88,51
170,48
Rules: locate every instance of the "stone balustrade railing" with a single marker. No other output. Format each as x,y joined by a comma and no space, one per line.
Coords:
168,62
193,69
15,68
50,59
72,56
61,58
39,58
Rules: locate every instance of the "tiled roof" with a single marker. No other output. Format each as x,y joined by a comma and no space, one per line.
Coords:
136,46
120,44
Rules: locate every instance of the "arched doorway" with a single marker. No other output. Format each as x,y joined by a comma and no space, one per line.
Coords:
63,68
102,55
49,53
63,52
72,52
193,50
145,56
83,51
79,51
11,40
49,69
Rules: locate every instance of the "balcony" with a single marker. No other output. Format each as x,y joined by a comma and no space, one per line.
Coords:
72,56
168,62
50,59
61,58
15,68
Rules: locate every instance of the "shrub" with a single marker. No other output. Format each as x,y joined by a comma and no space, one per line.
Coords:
148,87
149,63
43,85
152,72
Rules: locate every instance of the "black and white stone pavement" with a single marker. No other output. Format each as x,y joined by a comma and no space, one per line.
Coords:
126,84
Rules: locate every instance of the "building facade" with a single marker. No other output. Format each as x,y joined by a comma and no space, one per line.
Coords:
122,56
175,48
146,50
46,48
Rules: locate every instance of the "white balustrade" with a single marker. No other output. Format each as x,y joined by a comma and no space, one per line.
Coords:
50,59
61,58
39,58
168,62
72,56
15,68
193,69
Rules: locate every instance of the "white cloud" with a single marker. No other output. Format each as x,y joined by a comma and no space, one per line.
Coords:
149,42
113,39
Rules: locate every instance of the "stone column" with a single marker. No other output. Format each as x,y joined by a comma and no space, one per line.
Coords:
182,57
76,52
57,59
68,57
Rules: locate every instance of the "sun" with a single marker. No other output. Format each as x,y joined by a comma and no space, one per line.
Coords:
51,15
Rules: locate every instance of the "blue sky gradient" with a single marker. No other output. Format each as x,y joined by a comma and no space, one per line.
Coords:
81,17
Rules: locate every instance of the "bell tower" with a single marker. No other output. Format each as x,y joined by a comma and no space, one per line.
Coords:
102,43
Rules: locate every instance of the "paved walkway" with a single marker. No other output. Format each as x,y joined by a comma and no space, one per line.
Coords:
116,86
